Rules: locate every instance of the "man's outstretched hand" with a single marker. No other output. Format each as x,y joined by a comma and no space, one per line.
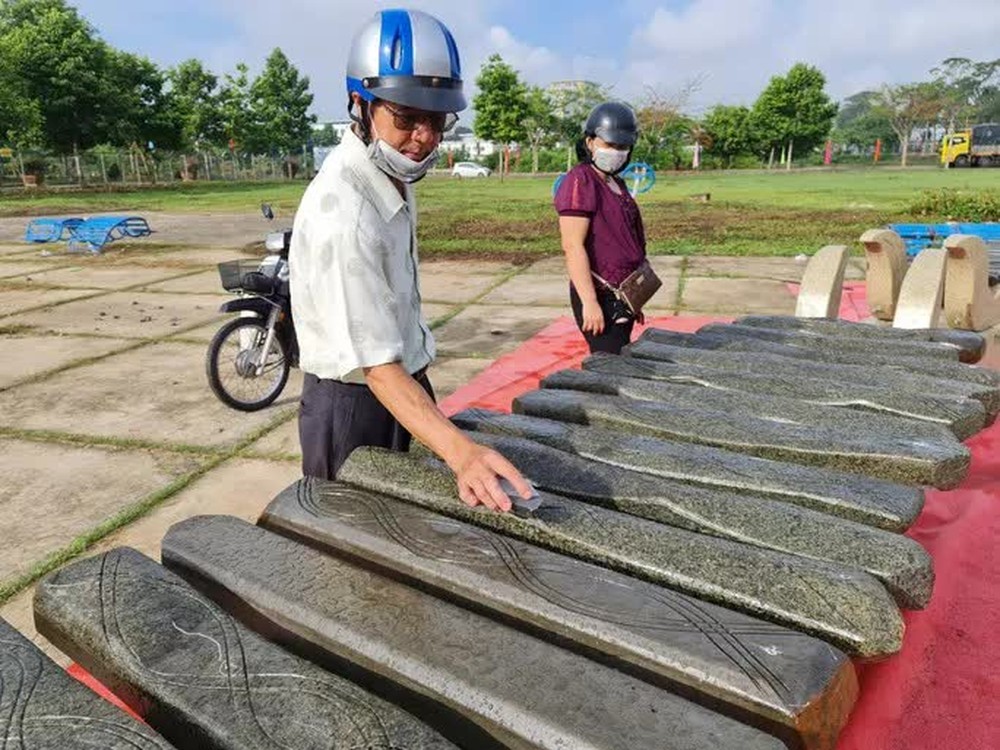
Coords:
478,471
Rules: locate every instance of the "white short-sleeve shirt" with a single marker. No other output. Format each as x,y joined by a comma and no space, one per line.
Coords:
353,271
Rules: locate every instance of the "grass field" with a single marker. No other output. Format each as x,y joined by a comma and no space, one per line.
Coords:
750,213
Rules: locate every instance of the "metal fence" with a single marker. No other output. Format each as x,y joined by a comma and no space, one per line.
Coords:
141,167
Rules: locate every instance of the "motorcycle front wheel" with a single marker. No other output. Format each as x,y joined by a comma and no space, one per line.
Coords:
234,358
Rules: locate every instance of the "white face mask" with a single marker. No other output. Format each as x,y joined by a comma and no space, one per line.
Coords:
610,160
397,165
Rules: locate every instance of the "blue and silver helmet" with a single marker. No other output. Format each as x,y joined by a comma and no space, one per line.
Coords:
407,57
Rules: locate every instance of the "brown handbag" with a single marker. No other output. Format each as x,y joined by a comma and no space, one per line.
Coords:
637,288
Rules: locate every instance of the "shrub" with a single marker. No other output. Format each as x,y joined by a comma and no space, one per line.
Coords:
958,205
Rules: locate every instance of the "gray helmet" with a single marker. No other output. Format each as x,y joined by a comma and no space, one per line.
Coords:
613,122
407,57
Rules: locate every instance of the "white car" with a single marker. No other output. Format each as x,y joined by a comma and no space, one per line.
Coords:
469,169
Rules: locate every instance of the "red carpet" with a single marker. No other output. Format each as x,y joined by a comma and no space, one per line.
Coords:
942,691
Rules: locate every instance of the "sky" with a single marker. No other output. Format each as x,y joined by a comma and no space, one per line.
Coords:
722,51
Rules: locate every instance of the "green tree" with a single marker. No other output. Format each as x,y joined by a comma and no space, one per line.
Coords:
570,106
325,136
63,66
196,100
139,109
665,132
501,104
971,90
794,112
20,114
234,107
860,123
730,131
540,124
279,105
906,107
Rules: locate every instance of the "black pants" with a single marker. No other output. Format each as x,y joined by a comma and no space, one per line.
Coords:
335,418
615,335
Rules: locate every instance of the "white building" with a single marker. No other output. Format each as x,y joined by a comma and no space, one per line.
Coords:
464,139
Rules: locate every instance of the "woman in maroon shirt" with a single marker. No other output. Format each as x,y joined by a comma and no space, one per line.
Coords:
600,226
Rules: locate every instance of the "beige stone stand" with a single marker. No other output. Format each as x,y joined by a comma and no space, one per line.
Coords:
922,293
886,256
823,284
969,303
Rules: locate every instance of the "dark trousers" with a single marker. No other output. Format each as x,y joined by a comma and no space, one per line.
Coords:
615,335
335,418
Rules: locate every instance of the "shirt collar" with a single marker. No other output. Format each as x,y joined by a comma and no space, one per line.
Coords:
376,183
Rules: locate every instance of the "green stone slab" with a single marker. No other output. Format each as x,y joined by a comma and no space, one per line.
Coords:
513,689
784,367
942,464
842,605
790,684
900,563
785,407
199,677
43,708
971,346
964,417
806,340
934,368
870,501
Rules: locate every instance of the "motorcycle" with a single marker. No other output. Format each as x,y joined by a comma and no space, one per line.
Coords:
250,357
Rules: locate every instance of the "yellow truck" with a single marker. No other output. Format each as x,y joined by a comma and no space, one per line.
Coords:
979,146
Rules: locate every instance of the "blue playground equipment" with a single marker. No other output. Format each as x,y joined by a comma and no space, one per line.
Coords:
86,235
639,176
918,236
50,230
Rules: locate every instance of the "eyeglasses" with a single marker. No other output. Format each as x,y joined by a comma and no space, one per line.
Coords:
438,122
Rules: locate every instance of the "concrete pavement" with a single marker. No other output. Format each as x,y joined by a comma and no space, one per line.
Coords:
108,430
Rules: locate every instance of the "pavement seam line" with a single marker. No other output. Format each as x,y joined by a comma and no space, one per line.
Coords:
137,344
681,281
129,514
462,307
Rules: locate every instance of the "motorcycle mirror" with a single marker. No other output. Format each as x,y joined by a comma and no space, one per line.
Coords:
265,208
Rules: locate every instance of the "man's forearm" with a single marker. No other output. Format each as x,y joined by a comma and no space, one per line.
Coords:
416,411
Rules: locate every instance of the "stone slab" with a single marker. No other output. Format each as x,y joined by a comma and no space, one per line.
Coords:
14,299
96,276
126,314
795,686
970,345
156,393
43,708
73,489
736,295
281,443
807,340
25,356
854,611
201,282
778,269
963,417
509,688
490,331
900,459
199,677
603,376
870,501
452,288
930,385
448,374
11,270
189,257
900,563
933,368
531,288
466,267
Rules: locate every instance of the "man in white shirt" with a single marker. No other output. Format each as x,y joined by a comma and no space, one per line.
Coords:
364,346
